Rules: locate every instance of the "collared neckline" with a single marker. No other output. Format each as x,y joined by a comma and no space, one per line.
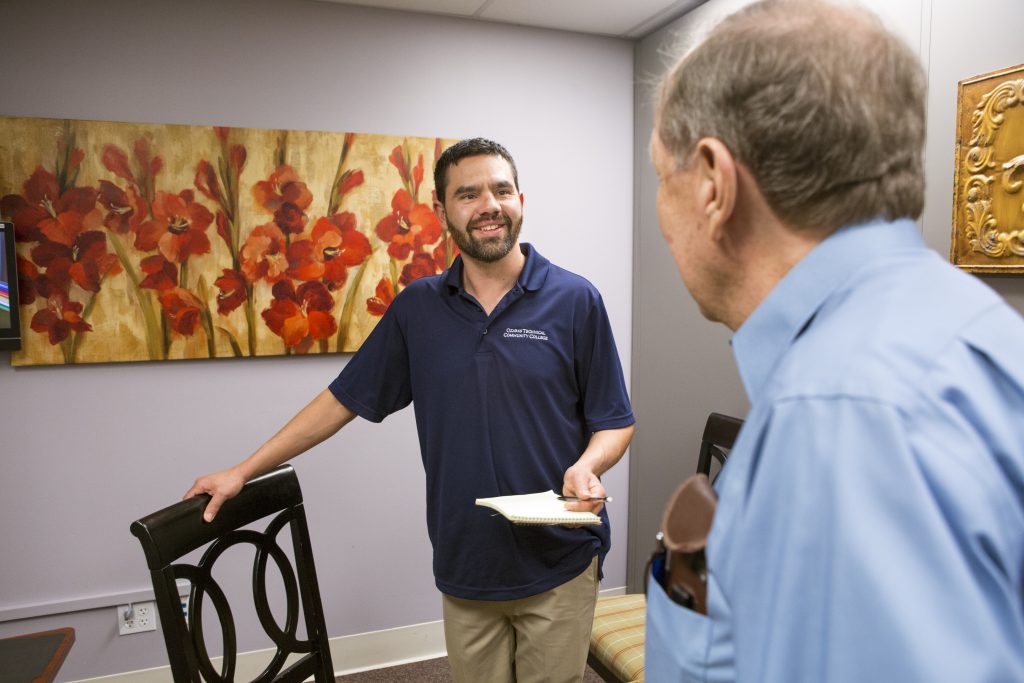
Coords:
771,329
532,277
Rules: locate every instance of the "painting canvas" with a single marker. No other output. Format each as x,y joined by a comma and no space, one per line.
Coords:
988,193
145,242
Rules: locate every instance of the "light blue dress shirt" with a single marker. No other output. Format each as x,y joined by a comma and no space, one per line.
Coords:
870,524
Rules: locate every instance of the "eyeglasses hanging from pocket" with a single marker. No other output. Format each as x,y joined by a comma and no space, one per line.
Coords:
678,563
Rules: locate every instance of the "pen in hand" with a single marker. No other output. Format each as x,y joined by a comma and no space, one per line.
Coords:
573,499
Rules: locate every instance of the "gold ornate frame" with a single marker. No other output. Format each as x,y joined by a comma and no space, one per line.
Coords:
988,201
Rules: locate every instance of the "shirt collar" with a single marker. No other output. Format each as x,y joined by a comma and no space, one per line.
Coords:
535,271
778,320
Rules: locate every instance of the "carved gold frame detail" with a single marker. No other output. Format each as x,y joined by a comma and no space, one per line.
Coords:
988,202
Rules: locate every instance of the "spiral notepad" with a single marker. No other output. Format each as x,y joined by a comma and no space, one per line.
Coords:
537,508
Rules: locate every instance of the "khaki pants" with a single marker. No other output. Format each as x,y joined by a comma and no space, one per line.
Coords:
540,639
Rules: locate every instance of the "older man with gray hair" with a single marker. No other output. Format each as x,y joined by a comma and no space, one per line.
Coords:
870,524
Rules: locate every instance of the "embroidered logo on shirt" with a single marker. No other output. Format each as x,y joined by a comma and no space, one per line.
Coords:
525,333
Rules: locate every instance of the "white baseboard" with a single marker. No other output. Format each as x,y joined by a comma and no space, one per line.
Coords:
350,654
608,592
392,647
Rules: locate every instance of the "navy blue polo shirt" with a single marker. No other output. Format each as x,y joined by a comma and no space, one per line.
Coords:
504,405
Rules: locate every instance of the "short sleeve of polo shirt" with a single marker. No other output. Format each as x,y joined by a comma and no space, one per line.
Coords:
599,371
375,383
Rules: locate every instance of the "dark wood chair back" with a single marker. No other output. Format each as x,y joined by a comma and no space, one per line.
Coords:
168,535
720,432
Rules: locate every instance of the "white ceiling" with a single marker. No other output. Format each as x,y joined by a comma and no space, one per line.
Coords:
621,18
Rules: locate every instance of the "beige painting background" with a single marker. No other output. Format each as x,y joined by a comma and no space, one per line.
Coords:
116,314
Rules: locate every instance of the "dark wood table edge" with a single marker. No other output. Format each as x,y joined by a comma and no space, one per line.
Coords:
50,672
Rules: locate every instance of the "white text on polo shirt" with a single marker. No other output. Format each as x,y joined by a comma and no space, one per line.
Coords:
525,333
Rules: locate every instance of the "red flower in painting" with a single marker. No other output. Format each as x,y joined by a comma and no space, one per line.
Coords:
224,228
183,310
397,160
263,254
301,316
41,204
55,282
68,225
290,218
236,157
147,166
236,154
161,274
28,274
349,181
286,197
441,256
385,294
116,161
421,265
178,228
222,188
334,247
206,181
59,319
410,176
126,209
233,292
85,261
409,227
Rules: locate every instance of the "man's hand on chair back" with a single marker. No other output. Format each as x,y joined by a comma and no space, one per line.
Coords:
220,486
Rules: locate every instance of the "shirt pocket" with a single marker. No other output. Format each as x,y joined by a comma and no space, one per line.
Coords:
676,640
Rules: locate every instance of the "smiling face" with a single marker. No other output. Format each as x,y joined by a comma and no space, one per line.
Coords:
482,207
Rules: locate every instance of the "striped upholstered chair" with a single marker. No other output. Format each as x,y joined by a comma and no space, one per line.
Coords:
617,641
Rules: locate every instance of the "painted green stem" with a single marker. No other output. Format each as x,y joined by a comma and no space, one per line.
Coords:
154,344
346,310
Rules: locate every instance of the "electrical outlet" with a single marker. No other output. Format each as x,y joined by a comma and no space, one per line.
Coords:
136,618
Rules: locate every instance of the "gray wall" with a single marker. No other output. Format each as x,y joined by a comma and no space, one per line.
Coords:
88,449
682,365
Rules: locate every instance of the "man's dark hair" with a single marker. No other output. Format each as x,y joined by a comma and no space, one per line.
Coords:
468,148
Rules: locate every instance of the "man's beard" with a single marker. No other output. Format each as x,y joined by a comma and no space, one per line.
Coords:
488,249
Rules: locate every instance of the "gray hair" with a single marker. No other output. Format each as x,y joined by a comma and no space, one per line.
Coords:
822,104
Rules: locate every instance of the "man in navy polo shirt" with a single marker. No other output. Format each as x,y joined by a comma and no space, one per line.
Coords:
511,367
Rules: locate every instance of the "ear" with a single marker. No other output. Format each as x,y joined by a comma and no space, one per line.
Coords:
717,187
438,208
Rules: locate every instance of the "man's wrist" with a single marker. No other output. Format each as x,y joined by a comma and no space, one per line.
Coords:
246,470
590,463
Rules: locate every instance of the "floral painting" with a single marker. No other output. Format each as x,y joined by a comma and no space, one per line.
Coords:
156,242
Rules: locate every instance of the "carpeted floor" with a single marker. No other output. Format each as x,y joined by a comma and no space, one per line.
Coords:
429,671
